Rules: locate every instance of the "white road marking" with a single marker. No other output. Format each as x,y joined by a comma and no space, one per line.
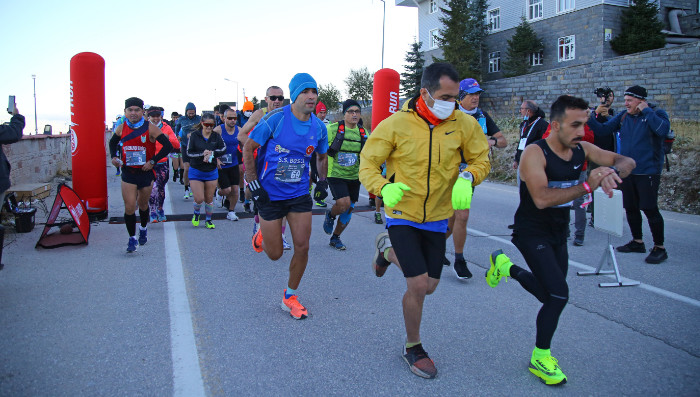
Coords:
187,374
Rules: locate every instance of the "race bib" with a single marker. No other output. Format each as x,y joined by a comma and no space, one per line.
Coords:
135,157
226,159
347,159
562,185
289,172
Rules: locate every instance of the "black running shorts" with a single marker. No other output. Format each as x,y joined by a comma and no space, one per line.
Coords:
419,251
138,177
229,177
345,188
279,209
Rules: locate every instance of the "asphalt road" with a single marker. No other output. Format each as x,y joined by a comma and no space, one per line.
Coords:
197,312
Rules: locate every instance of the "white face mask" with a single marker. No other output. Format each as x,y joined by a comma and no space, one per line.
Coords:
247,113
441,109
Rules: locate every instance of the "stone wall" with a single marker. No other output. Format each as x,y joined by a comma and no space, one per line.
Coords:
670,75
38,158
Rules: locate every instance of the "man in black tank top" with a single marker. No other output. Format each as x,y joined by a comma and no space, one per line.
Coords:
549,172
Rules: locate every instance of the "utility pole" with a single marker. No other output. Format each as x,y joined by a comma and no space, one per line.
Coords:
36,126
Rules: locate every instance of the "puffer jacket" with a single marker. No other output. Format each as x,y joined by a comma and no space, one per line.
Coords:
424,158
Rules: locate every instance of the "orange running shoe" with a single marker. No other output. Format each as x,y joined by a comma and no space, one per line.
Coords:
292,305
257,241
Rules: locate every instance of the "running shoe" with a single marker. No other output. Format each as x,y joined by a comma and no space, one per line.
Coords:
285,244
143,236
328,223
154,217
445,261
241,195
418,361
461,269
161,216
499,261
292,305
321,203
218,200
257,241
190,193
657,256
133,245
378,218
119,172
187,195
632,246
337,244
209,224
195,220
380,264
232,216
578,241
548,370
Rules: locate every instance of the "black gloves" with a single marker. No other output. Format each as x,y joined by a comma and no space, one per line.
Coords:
320,192
259,194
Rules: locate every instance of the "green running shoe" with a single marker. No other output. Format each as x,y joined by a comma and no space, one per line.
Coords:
548,370
195,220
500,266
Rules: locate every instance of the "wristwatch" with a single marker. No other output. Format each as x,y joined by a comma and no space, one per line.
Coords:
467,175
152,162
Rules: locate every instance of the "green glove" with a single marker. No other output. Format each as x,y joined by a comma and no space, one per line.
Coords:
462,194
393,192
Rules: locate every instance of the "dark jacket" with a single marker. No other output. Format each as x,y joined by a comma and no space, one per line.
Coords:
605,142
531,130
641,137
197,145
10,133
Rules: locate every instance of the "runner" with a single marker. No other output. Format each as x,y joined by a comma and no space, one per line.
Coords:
228,163
175,156
422,145
133,147
204,149
319,195
279,180
469,94
345,141
185,126
161,169
549,172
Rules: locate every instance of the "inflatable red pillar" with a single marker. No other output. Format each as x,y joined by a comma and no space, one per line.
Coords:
385,95
87,132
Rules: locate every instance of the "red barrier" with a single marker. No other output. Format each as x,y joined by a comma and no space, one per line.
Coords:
87,135
385,95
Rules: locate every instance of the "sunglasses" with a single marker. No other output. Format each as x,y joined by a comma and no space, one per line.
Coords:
210,125
276,97
231,118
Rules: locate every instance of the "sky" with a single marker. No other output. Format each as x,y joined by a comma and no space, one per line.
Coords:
169,53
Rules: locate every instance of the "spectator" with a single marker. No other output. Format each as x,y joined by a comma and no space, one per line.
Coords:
9,133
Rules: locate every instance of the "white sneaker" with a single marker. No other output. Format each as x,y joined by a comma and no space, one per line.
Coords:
285,244
187,195
232,216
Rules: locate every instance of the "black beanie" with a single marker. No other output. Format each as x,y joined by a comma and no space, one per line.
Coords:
350,102
133,101
636,91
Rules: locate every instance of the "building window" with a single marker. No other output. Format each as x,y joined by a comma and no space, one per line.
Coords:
567,48
494,19
433,7
536,58
534,9
494,62
433,38
565,5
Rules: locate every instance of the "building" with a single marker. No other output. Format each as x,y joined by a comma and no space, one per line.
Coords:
573,32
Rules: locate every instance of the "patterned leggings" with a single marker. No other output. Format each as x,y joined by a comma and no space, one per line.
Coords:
162,171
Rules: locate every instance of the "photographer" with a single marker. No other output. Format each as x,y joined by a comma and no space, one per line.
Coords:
9,133
603,112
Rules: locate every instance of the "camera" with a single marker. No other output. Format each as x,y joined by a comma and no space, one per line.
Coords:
604,93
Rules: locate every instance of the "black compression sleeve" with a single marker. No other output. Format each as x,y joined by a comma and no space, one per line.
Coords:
113,145
167,147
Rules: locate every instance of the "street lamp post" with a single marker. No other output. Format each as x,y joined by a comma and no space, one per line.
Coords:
383,23
36,126
234,81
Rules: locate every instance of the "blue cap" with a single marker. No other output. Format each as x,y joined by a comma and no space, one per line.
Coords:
470,86
299,83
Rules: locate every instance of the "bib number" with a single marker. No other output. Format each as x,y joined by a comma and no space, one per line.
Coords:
562,185
289,172
135,157
347,159
226,159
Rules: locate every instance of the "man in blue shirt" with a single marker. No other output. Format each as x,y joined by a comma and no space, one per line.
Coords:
279,179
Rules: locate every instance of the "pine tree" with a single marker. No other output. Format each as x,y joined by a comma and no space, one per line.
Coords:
255,102
641,29
453,38
360,85
410,80
329,95
477,29
523,43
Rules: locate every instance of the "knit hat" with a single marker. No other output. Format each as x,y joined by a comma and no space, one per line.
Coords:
299,83
350,102
133,101
320,107
247,105
190,106
636,91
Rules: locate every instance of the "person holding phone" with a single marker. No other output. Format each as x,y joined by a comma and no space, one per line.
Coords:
9,134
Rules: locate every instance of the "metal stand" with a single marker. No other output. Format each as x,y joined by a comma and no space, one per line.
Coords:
608,257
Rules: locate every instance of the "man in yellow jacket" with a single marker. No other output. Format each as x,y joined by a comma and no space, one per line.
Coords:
422,145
